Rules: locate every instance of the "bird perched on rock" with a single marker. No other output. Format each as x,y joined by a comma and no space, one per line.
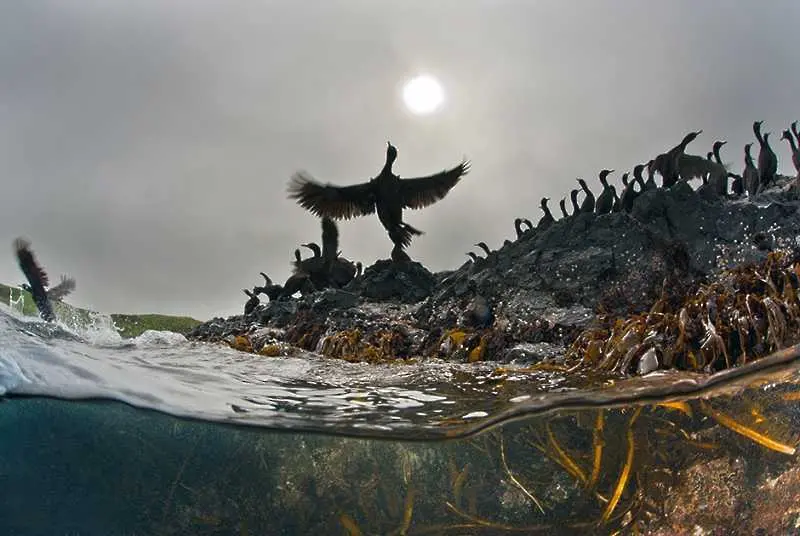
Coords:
547,219
605,202
573,197
252,303
326,267
562,204
787,135
38,280
484,247
387,194
272,291
479,312
518,226
588,201
750,177
667,163
767,161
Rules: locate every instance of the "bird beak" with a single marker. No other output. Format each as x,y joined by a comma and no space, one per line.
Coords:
610,171
723,142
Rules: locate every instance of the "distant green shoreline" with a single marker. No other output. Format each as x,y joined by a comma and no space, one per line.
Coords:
128,325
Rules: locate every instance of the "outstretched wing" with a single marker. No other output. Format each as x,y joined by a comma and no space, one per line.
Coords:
327,200
60,291
27,262
36,276
424,191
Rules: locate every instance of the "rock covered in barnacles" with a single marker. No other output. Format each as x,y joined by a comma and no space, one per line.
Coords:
406,282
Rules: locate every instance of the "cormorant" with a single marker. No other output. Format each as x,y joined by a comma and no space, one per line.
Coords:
605,201
618,199
715,151
629,193
651,179
767,161
690,167
787,135
737,184
359,269
297,282
750,177
37,278
387,194
484,247
473,256
479,313
563,206
588,201
326,267
252,303
547,220
573,196
272,291
518,226
667,163
795,132
710,156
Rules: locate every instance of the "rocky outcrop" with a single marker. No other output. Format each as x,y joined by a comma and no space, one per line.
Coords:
539,291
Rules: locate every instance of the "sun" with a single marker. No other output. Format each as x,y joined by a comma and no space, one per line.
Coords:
423,95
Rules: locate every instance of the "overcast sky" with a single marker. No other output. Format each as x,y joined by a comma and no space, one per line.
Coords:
145,145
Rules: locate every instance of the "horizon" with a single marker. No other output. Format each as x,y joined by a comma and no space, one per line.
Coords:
148,146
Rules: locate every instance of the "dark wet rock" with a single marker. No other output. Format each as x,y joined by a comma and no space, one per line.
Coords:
545,287
386,280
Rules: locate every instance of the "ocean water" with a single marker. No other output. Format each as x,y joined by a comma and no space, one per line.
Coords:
159,435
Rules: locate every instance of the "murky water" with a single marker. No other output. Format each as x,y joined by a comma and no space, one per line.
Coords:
157,435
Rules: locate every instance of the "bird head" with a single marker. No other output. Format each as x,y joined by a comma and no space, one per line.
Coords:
391,152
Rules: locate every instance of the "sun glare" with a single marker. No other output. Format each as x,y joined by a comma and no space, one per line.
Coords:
423,95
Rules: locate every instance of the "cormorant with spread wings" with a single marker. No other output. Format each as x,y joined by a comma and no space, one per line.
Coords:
387,194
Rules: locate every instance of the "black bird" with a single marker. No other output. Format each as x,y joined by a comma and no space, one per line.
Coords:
767,161
272,291
547,220
605,202
588,202
252,303
795,132
618,200
484,247
37,278
573,196
563,206
795,153
667,163
651,180
518,226
387,194
479,312
750,177
629,193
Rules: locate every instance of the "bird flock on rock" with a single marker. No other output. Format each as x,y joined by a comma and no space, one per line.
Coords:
673,166
387,195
